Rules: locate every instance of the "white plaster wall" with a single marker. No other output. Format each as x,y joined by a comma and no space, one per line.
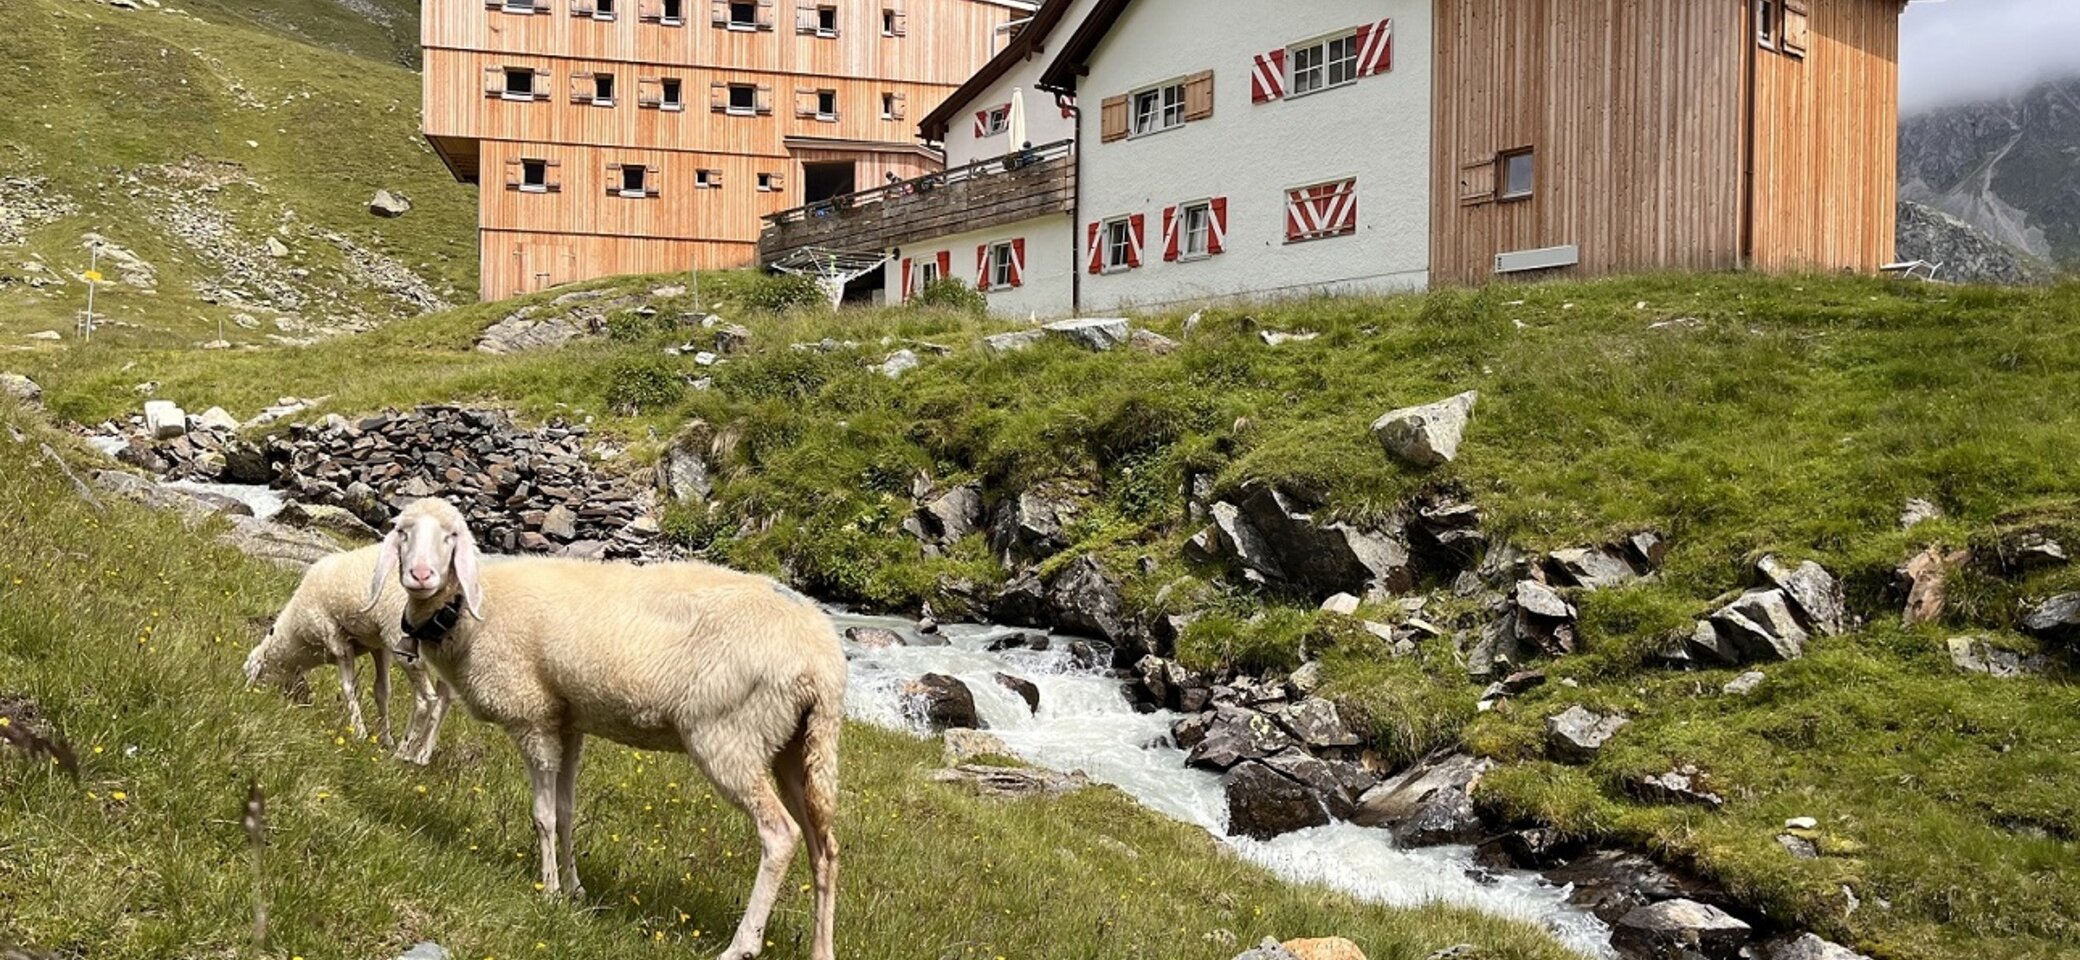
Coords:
1044,121
1050,257
1377,129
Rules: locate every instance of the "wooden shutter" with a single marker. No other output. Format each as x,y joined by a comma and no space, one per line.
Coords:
909,283
1198,95
1217,232
945,264
1112,119
982,267
541,6
763,102
1135,223
613,179
1094,253
494,4
581,86
902,23
805,16
1267,76
651,176
649,94
1018,261
718,96
552,177
650,11
541,83
1798,28
513,171
765,14
804,102
494,81
900,108
1477,181
718,12
581,8
1170,231
778,181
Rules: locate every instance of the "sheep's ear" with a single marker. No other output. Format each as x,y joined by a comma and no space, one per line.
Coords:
386,567
466,565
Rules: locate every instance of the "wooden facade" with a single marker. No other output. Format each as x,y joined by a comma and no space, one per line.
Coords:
972,197
828,81
1637,117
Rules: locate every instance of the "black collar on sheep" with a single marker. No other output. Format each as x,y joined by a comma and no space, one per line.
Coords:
435,628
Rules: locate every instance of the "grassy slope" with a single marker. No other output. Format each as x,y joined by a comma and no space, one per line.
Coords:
1794,416
128,632
97,94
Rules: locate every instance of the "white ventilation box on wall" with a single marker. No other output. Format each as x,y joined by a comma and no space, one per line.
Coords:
1544,258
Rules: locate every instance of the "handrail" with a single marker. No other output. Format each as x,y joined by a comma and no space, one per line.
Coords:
991,166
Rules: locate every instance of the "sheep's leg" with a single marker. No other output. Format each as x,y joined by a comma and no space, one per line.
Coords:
382,658
566,812
813,806
443,698
543,751
747,784
350,687
414,748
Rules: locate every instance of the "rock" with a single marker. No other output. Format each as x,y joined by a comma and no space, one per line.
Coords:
1318,559
1593,568
281,545
1676,786
1091,333
1967,253
874,638
943,702
1537,598
954,514
321,516
1611,883
1307,678
1811,947
1704,645
899,363
1430,802
1974,655
217,419
1918,510
1649,550
1025,689
1085,600
1342,603
519,332
1457,951
999,344
1324,948
43,335
386,204
1315,722
682,475
1575,734
276,248
1801,823
1279,338
1012,783
1814,591
1190,731
2057,618
736,338
1680,930
2032,550
21,388
1534,848
962,745
1744,684
1030,524
164,419
561,524
425,950
1329,783
1152,343
1234,735
1760,626
1426,435
1270,949
1263,803
1926,576
1798,847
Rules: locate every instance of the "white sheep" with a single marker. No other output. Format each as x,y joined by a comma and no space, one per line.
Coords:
738,672
328,621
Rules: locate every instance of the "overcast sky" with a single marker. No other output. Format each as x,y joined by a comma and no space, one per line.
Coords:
1959,50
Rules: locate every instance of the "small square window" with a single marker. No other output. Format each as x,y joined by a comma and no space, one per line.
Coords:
826,21
1195,231
927,273
520,83
1159,109
1518,176
633,180
519,6
826,104
1119,245
534,176
888,106
999,121
743,16
765,182
602,9
743,98
603,89
1000,266
707,179
674,12
892,22
672,94
1766,23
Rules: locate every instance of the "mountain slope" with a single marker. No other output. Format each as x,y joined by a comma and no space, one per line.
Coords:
228,167
2004,166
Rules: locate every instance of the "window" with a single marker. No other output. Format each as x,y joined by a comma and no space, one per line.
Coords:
602,9
635,180
892,22
743,99
888,107
603,89
1195,231
707,179
826,21
927,273
743,16
768,183
674,12
826,104
534,176
1766,23
1797,29
673,94
1119,245
1002,272
523,6
519,83
1159,109
1322,64
1518,174
996,120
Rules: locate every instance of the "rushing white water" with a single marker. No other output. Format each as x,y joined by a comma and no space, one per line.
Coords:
265,501
1085,722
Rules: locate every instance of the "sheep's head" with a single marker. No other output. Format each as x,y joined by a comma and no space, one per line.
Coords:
430,551
281,660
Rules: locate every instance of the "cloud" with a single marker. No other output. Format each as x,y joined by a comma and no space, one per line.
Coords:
1955,51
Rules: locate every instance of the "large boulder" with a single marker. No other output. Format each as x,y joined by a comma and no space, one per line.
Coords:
1264,803
1029,526
164,419
1974,655
21,388
953,514
1593,568
1680,930
284,546
1761,626
386,204
1025,689
1091,333
1085,600
1012,783
1318,559
1577,733
1314,722
943,702
1429,803
2057,618
1612,883
999,344
1815,593
960,745
1426,435
1237,734
1323,948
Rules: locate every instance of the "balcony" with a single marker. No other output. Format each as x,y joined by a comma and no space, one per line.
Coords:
987,193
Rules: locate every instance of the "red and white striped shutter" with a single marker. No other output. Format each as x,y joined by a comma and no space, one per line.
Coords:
1097,253
1344,219
1169,233
1375,48
1217,230
981,123
945,264
982,267
1322,210
909,281
1136,234
1267,76
1018,261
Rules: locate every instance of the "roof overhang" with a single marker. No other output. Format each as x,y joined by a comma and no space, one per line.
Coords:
1074,59
1029,41
839,145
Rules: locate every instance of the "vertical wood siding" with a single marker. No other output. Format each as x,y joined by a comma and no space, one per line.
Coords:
1826,142
1632,109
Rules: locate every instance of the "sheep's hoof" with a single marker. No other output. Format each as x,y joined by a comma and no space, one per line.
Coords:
576,894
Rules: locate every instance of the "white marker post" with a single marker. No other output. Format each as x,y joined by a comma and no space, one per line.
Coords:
93,279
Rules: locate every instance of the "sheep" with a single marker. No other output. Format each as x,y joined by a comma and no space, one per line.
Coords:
741,674
325,621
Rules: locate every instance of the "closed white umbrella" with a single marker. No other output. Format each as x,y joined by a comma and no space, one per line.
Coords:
1017,124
